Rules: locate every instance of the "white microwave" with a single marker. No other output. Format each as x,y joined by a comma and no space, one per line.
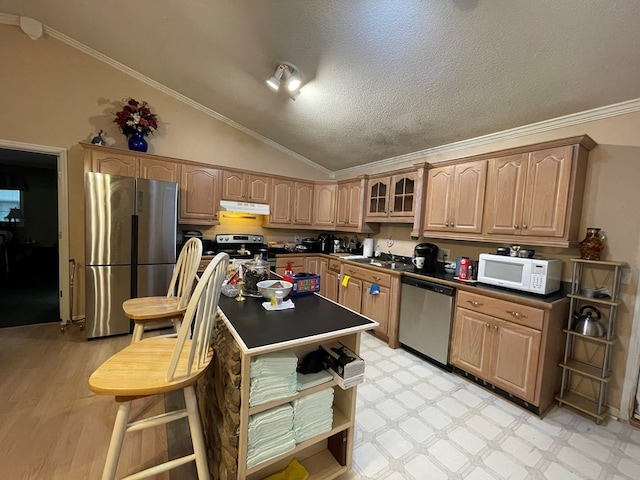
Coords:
527,274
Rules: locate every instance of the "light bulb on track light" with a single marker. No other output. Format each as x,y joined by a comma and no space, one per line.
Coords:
274,81
288,75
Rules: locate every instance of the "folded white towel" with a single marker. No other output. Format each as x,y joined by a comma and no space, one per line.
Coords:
309,380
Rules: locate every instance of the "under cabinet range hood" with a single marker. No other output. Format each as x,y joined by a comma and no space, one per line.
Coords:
244,207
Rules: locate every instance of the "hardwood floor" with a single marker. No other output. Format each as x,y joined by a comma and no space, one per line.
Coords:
52,427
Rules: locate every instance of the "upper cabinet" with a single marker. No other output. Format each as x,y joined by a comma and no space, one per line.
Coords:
199,195
455,197
112,162
527,193
394,198
245,187
324,205
530,195
155,169
291,204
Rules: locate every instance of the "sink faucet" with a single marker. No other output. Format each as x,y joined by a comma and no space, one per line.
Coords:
391,256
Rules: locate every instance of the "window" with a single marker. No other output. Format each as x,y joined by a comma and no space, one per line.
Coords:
8,199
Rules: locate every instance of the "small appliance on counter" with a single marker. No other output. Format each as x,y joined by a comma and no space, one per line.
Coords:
367,247
533,275
425,257
309,245
326,243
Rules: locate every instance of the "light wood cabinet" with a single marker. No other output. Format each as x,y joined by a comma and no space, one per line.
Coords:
281,205
303,205
455,198
297,263
245,187
312,265
199,195
532,195
111,163
332,284
155,169
324,205
350,210
383,307
291,204
508,344
323,264
527,194
393,198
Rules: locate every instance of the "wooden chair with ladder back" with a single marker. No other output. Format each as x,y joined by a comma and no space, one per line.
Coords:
162,364
148,310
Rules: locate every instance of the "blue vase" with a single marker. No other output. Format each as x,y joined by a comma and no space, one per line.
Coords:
137,142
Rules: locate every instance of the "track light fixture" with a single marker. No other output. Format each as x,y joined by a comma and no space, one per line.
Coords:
288,75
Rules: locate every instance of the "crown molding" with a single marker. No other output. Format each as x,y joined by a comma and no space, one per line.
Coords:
599,113
15,20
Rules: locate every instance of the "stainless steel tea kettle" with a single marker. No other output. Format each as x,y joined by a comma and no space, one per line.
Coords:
586,324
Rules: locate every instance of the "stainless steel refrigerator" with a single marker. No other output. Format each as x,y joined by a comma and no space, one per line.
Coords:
130,246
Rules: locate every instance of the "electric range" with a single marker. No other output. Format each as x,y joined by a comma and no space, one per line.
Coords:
239,246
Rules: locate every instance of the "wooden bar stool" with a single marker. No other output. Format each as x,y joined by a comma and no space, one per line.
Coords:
146,310
158,365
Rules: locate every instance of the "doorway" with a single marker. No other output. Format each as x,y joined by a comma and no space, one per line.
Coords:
31,277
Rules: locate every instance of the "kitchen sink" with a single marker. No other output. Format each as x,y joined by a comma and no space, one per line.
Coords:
381,263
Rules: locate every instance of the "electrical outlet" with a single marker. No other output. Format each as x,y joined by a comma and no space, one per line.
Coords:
297,240
444,255
626,276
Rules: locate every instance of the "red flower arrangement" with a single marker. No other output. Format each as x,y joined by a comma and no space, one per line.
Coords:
136,117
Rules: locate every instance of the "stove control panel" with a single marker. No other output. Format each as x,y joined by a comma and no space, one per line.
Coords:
227,239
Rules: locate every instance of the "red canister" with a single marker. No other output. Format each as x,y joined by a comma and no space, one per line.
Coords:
464,269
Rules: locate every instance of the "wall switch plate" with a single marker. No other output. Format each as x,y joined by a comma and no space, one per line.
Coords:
625,279
444,255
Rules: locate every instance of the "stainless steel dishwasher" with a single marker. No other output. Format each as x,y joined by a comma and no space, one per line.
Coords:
426,315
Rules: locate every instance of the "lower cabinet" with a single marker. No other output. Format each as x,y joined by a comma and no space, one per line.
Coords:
374,294
508,345
331,280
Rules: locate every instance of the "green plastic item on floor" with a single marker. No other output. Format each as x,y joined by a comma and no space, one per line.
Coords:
294,471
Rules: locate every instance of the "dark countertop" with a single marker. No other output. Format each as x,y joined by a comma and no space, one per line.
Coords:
315,318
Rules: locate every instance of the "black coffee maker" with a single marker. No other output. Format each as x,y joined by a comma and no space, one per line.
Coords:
326,242
429,252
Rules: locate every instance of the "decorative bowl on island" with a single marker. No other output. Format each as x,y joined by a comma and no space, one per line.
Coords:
268,288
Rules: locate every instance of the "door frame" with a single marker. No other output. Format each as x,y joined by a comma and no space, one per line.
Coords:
63,217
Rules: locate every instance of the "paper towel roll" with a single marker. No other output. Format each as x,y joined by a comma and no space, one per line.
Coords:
367,247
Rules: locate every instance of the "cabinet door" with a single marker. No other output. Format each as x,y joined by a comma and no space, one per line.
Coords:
158,170
514,359
376,307
331,287
403,194
342,209
547,192
324,266
505,194
468,197
113,164
439,194
281,201
199,195
378,197
470,344
303,205
356,208
351,295
324,206
234,186
259,189
312,265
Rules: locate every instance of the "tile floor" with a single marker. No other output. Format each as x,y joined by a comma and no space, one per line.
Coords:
415,421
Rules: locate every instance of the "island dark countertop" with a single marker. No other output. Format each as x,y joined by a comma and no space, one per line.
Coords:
313,319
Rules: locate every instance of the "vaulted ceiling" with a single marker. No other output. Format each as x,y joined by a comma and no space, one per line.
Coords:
381,78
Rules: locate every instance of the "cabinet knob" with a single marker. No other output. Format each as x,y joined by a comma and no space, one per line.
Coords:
487,325
495,327
524,225
516,314
377,279
446,224
452,225
475,303
515,226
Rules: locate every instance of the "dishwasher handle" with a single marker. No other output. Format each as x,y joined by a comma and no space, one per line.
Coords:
431,286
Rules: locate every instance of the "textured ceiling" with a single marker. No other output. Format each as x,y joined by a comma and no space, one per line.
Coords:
381,77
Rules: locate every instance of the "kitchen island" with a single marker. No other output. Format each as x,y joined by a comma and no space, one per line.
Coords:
247,330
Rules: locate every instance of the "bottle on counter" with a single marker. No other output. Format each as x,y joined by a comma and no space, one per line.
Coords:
464,269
